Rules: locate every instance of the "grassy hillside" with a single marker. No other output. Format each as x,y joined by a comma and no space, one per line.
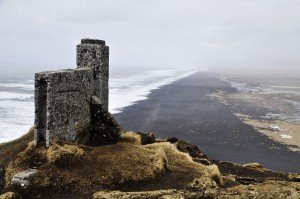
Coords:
129,169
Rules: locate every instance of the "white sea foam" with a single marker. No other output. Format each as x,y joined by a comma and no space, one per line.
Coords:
243,87
16,118
28,85
125,91
15,96
285,136
17,106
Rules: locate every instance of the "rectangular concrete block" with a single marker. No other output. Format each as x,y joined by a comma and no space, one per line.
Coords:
63,105
95,54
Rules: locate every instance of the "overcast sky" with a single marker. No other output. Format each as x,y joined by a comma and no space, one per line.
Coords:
149,34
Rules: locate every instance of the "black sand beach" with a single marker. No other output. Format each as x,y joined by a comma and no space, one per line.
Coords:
182,109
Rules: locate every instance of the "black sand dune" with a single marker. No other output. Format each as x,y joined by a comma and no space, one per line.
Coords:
183,110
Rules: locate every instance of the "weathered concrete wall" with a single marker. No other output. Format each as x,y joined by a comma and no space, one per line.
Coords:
67,110
95,54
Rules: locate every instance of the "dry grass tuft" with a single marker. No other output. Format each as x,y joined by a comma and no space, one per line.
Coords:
268,189
215,174
28,150
160,160
183,165
255,166
10,171
131,137
8,195
64,154
129,162
171,193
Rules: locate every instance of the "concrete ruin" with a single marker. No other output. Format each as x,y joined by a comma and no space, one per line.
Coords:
70,103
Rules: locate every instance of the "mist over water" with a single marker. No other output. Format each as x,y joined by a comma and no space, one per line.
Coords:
17,97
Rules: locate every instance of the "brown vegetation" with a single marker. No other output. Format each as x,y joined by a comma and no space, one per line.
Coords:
9,195
62,154
128,167
80,169
9,150
269,189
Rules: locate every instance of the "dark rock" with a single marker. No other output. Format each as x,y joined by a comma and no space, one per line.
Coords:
171,140
191,149
202,161
253,171
24,178
294,177
104,128
245,180
147,138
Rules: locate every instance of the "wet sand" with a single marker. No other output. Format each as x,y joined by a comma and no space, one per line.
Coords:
184,109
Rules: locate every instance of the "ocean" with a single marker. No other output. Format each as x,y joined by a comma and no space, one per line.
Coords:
17,97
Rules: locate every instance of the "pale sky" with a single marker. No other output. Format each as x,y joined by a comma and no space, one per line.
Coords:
149,34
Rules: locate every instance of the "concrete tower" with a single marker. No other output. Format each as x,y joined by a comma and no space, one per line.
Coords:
64,99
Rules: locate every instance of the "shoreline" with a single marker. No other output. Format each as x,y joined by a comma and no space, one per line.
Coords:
274,110
126,88
183,109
